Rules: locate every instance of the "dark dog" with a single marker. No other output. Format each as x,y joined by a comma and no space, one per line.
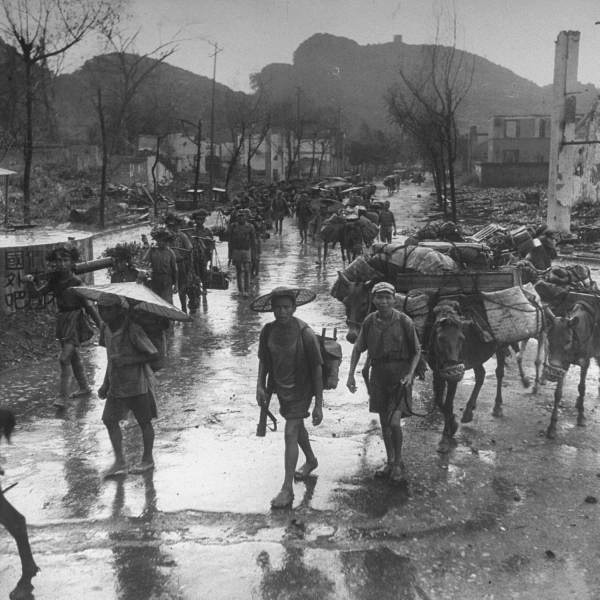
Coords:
15,523
7,423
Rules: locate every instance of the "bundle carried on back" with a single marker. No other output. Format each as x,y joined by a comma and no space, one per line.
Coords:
391,259
360,270
332,227
470,255
368,228
416,306
513,314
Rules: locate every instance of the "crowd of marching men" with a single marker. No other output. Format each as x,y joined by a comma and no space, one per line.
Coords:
181,258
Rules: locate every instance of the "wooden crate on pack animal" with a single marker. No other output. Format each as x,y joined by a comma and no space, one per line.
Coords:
464,282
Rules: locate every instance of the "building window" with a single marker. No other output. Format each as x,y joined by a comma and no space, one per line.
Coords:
510,156
511,128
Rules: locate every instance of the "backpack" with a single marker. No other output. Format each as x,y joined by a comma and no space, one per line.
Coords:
331,353
154,327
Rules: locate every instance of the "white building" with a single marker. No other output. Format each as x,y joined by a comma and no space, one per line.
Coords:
273,155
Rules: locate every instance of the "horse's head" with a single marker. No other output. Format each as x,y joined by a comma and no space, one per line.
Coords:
447,339
357,302
562,346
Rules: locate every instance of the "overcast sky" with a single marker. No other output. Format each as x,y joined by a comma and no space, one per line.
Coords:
517,34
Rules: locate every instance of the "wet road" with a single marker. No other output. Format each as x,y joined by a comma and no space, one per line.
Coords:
502,516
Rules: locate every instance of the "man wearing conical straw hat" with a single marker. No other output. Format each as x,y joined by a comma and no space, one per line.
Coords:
129,383
290,366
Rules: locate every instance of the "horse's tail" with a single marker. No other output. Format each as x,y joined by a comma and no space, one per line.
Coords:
7,423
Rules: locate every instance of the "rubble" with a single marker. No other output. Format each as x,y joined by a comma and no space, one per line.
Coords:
512,208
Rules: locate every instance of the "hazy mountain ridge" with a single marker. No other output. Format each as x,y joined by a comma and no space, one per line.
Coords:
331,72
332,69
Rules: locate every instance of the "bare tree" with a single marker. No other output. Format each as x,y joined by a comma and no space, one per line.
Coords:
425,106
248,121
43,31
116,79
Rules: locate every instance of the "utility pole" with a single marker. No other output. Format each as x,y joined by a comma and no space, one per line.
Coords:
217,50
561,196
298,131
197,165
340,143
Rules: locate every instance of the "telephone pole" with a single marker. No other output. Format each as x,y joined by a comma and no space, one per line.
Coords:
217,50
561,184
298,131
197,164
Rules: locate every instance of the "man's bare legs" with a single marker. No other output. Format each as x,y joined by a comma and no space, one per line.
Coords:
311,462
116,439
69,359
147,462
296,436
391,432
398,471
242,271
79,373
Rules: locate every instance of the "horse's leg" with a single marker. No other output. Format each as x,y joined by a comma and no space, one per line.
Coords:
497,412
450,424
551,431
479,372
539,360
325,245
581,389
15,524
521,347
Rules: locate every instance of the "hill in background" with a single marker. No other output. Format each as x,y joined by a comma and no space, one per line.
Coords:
333,73
336,71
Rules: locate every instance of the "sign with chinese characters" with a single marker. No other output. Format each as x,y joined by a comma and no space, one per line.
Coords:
18,261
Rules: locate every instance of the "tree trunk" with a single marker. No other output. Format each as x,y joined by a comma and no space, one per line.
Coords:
154,179
452,189
313,158
103,172
28,145
290,165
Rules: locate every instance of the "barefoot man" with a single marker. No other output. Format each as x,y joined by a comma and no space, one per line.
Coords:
290,365
391,340
129,383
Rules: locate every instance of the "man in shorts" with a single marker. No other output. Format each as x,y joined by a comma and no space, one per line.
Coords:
242,245
391,339
290,365
129,383
72,327
387,223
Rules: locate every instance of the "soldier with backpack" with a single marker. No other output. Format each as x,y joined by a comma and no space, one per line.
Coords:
290,365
